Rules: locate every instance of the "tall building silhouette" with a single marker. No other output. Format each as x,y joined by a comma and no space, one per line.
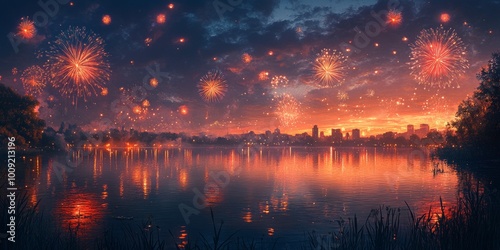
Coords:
356,134
315,132
410,129
336,135
424,130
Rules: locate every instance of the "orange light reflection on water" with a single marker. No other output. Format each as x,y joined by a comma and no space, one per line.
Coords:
82,210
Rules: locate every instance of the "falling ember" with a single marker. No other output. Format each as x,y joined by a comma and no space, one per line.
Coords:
370,92
77,63
153,82
148,41
438,110
270,53
104,91
212,87
182,40
34,80
394,17
26,29
438,57
106,19
146,103
342,96
14,71
171,6
246,58
404,39
288,110
183,110
445,17
161,18
330,68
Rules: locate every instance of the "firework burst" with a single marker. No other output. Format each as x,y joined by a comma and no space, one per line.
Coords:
288,110
438,57
246,58
26,29
263,75
161,18
445,17
330,68
212,86
34,80
279,82
77,63
153,82
183,110
106,19
394,17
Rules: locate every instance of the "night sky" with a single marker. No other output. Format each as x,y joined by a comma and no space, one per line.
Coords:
180,42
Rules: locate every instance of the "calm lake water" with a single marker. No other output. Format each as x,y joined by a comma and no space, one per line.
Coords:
269,193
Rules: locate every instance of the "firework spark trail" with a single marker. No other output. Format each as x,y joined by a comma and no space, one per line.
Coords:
288,110
77,63
330,68
438,57
34,80
212,87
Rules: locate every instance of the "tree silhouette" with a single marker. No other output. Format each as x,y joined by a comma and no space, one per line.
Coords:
18,118
477,121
